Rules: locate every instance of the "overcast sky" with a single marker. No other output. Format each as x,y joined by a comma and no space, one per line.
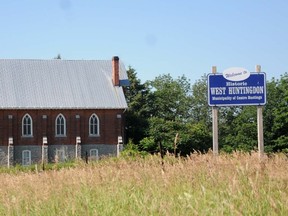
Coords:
153,36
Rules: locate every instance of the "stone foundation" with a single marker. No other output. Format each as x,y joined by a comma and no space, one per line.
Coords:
55,153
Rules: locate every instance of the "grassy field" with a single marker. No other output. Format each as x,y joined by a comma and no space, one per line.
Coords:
236,184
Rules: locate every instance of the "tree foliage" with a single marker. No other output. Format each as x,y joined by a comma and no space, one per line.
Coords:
280,114
166,108
137,113
200,111
161,108
171,98
241,132
239,128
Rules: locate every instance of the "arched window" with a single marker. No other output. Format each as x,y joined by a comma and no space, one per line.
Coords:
60,125
27,125
93,125
94,154
26,157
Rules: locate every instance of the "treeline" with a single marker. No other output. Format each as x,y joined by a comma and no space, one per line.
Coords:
174,115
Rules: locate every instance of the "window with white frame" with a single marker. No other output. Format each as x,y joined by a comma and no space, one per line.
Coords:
60,125
26,157
60,155
27,125
94,154
94,125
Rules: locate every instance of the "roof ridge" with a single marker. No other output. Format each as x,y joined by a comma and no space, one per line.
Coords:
11,59
62,84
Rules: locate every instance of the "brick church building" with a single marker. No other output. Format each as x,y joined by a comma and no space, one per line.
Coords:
60,109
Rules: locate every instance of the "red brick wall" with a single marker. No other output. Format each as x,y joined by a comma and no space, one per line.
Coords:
110,126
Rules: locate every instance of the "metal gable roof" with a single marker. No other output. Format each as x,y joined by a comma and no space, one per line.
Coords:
60,84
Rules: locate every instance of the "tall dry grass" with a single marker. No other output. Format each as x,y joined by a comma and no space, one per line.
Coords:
237,184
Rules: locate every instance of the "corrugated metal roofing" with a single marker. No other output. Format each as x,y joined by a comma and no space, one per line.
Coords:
60,84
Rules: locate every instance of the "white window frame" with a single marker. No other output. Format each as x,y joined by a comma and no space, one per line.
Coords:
27,126
94,156
94,124
59,125
26,159
60,153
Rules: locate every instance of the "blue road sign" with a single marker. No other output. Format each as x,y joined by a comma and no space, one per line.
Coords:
224,92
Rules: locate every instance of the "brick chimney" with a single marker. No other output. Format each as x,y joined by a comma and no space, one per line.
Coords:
115,71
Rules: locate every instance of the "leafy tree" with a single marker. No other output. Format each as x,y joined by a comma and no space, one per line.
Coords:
163,132
273,100
133,91
200,111
136,115
197,137
241,133
280,112
238,125
148,144
161,108
169,102
171,99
